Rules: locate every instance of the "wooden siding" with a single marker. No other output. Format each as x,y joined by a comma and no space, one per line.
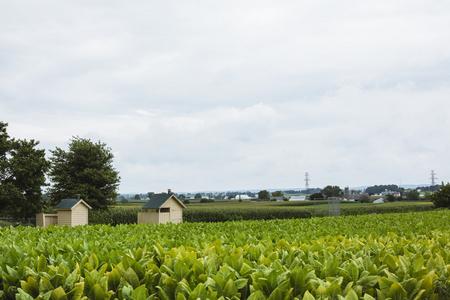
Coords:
80,215
148,217
45,220
176,216
65,217
164,217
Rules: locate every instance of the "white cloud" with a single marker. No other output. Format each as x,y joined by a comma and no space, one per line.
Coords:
235,94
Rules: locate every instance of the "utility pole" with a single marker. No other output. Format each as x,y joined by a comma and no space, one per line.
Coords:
433,177
307,182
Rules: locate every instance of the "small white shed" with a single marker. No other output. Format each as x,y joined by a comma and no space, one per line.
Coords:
71,212
162,208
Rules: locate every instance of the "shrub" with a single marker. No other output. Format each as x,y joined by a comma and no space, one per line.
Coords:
441,198
204,200
186,201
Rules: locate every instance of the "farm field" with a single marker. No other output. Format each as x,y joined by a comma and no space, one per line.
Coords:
383,256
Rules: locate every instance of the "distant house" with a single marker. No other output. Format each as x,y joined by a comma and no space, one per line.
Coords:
242,196
71,212
297,198
162,208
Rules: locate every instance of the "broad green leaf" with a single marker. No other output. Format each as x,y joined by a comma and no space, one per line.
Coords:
131,277
58,294
308,296
76,292
198,293
42,263
113,279
140,293
23,295
96,293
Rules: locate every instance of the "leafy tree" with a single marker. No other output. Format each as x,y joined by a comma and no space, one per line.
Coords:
186,201
315,196
264,195
277,194
390,198
150,194
413,195
22,175
182,197
85,169
198,196
137,197
371,190
364,198
441,198
332,191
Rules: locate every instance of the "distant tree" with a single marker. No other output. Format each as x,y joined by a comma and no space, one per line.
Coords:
332,191
137,197
413,195
277,194
264,195
85,169
316,196
22,176
182,197
186,201
150,194
390,198
124,200
377,189
198,196
441,198
364,198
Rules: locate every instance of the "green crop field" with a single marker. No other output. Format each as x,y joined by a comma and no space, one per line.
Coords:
382,256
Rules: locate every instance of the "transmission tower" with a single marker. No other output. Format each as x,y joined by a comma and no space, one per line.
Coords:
307,182
433,177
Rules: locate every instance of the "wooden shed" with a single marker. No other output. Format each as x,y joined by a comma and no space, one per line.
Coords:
72,212
162,208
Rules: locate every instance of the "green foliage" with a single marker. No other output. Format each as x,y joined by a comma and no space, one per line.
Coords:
114,216
390,198
441,198
332,191
377,189
85,169
413,195
264,195
363,257
186,201
204,200
364,198
198,196
22,175
277,194
316,196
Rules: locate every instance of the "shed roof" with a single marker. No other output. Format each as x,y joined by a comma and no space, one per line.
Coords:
158,200
71,203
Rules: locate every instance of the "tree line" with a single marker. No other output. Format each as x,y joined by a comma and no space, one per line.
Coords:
85,170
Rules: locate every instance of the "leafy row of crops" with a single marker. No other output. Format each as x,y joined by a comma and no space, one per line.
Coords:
393,256
257,211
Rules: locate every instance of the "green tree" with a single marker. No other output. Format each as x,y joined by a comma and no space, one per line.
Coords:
332,191
277,194
198,196
137,197
390,198
413,195
315,196
441,198
22,176
85,169
264,195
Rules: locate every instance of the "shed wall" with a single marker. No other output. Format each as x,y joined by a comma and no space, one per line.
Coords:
65,217
80,215
148,217
176,211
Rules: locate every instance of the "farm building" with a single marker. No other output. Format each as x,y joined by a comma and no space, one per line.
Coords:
297,198
71,212
162,208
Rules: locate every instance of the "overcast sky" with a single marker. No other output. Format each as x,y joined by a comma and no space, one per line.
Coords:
235,95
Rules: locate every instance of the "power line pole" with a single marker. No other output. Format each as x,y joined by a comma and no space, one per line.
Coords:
433,177
307,182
